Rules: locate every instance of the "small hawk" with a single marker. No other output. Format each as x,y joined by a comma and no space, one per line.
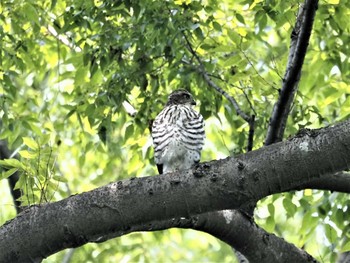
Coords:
178,134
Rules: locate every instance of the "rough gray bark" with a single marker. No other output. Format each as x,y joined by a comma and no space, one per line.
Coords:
236,229
298,47
254,243
344,258
339,182
116,208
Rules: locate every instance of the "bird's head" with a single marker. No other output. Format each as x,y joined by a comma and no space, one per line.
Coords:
181,96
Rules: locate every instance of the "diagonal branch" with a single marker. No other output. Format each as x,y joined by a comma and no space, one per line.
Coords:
206,77
299,43
63,39
201,69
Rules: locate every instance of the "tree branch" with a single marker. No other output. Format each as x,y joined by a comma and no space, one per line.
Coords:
63,39
299,43
251,133
225,184
202,71
338,182
227,225
254,243
208,80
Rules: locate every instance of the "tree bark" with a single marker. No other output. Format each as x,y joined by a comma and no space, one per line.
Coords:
298,47
230,183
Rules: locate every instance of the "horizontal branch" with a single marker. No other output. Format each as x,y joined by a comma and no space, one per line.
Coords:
225,184
338,182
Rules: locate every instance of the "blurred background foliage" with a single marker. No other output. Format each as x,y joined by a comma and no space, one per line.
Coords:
80,80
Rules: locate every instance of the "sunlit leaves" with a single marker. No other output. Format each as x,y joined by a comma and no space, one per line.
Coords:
289,206
8,173
11,163
31,13
31,143
332,2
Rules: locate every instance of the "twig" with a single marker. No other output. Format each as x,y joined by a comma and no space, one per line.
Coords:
63,39
299,42
206,77
129,108
252,65
237,87
251,133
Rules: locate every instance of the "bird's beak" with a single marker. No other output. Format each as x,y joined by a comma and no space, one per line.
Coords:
193,103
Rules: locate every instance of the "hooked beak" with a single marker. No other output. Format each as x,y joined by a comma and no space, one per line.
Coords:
193,102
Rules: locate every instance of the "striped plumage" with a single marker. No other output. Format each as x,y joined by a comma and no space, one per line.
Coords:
178,134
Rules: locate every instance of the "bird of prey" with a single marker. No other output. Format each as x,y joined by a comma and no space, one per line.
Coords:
178,133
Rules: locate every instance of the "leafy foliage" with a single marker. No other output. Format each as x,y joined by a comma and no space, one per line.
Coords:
68,67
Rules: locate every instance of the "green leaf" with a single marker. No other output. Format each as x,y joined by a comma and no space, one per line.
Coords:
271,209
224,48
45,138
240,18
8,173
309,222
232,60
11,163
199,33
234,36
21,183
289,206
80,75
217,26
53,4
129,131
31,13
60,178
28,155
331,234
332,2
31,143
270,224
346,247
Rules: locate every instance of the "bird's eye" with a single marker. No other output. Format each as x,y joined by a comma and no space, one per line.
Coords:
187,96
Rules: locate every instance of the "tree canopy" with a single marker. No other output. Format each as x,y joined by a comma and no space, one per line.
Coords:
81,82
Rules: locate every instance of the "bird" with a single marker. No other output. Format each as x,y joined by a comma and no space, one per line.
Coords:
178,133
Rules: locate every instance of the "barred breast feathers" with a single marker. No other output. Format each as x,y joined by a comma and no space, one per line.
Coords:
178,122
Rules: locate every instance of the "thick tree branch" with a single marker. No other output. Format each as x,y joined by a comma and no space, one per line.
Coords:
255,243
339,182
344,257
299,43
224,184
